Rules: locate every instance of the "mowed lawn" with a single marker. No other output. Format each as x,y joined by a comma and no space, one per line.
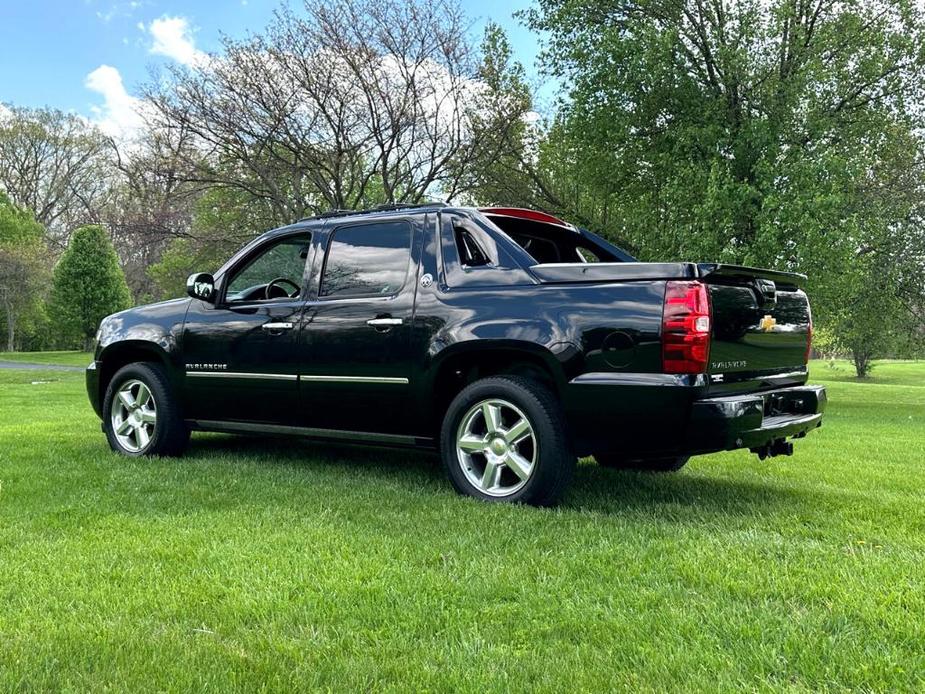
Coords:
286,565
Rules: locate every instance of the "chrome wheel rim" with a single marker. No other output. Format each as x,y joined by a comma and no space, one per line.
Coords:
496,447
134,416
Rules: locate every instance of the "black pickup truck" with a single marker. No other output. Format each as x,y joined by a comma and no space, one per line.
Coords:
511,341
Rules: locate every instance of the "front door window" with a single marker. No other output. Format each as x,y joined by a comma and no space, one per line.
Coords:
274,273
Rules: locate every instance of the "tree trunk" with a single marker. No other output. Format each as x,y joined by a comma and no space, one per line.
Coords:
862,360
10,326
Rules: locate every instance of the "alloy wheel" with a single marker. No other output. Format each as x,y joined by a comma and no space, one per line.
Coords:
134,416
496,447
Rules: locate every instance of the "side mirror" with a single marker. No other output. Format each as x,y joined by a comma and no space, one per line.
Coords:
201,285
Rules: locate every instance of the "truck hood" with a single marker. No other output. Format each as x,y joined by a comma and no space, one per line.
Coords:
151,323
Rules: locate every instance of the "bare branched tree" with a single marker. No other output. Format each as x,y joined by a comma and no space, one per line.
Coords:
54,164
151,201
352,102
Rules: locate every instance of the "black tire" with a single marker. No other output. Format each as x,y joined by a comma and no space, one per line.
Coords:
553,463
618,462
170,434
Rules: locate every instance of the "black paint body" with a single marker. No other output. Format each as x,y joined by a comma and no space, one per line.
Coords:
592,332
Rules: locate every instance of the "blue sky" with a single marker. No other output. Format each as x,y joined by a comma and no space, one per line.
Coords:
77,55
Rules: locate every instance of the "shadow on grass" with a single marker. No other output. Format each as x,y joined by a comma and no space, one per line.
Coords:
609,491
305,452
594,489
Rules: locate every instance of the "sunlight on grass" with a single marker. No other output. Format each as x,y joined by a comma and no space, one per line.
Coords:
281,564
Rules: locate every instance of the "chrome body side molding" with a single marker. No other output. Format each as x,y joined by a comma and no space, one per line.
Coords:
237,374
356,379
295,377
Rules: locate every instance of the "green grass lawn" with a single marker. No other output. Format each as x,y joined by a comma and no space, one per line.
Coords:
59,358
286,565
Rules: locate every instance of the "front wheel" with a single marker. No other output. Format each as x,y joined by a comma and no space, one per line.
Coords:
503,439
618,462
141,413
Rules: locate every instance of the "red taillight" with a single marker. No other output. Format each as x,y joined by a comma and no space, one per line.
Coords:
685,328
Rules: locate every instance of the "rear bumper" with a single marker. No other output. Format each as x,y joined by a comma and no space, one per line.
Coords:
754,420
652,415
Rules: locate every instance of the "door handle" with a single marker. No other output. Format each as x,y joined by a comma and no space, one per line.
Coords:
380,322
272,327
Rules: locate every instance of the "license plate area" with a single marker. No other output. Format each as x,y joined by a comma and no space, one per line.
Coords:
794,401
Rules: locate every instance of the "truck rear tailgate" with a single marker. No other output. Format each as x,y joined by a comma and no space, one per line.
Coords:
761,323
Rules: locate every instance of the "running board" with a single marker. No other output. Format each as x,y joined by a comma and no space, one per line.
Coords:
309,432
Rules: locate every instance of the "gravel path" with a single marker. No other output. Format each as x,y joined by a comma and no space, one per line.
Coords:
42,367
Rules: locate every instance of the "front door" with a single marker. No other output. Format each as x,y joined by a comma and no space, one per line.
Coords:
357,330
242,358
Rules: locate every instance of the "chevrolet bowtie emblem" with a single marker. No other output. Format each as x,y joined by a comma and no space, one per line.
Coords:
767,323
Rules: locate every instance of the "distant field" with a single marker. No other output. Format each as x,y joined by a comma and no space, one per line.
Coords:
285,565
60,358
885,372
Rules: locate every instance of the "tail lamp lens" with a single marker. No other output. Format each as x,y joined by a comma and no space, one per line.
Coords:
685,328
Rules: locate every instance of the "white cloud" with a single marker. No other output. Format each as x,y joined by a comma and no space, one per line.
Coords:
120,114
118,9
173,37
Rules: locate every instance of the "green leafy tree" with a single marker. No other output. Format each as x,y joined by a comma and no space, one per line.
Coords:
23,271
223,219
501,115
88,285
782,133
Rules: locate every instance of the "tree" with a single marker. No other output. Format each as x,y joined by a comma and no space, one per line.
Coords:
357,99
151,203
764,132
223,220
88,285
23,269
501,171
55,164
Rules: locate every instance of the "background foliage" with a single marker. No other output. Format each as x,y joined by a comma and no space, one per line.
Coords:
88,285
778,133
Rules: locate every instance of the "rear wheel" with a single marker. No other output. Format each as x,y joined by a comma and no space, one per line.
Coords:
503,440
618,462
141,413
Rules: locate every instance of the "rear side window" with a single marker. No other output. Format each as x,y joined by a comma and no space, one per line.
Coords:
367,260
470,252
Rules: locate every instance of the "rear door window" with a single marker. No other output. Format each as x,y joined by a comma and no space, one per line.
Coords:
367,260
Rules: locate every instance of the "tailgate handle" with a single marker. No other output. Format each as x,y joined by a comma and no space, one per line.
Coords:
766,291
384,322
276,327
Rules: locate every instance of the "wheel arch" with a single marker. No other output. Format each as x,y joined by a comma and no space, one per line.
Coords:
466,362
118,354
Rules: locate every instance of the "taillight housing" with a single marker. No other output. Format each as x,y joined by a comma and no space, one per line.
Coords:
686,323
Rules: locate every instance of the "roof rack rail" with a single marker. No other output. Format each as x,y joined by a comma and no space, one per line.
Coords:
330,213
388,207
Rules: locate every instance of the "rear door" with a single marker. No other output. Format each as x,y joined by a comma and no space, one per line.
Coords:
761,326
357,331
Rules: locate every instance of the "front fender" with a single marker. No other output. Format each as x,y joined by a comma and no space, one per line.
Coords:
145,333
